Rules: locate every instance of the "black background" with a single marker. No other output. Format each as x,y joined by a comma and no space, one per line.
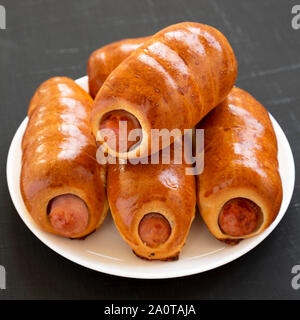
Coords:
45,38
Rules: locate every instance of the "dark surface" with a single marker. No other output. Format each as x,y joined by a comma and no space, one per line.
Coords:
45,38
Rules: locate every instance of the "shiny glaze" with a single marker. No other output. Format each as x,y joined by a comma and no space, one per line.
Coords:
136,190
59,152
173,80
104,60
240,153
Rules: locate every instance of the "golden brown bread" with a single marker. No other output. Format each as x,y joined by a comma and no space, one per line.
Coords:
137,190
59,153
240,162
104,60
172,81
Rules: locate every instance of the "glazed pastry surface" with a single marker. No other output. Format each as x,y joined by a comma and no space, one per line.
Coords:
240,163
171,82
59,153
104,60
137,190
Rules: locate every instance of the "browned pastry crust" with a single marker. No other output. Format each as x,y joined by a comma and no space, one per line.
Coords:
135,190
172,81
104,60
59,153
240,162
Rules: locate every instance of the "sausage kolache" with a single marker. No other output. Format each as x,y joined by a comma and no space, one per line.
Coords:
62,184
153,206
104,60
170,82
240,190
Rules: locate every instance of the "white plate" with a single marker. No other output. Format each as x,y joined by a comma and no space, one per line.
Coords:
105,250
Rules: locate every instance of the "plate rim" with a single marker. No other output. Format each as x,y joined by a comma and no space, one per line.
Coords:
133,274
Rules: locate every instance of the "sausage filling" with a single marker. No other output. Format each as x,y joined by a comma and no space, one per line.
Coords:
154,229
68,214
239,217
119,141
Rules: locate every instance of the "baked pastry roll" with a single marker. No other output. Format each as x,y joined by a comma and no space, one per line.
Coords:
153,205
240,191
170,82
62,184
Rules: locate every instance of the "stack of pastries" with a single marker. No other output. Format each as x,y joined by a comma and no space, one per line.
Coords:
180,78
